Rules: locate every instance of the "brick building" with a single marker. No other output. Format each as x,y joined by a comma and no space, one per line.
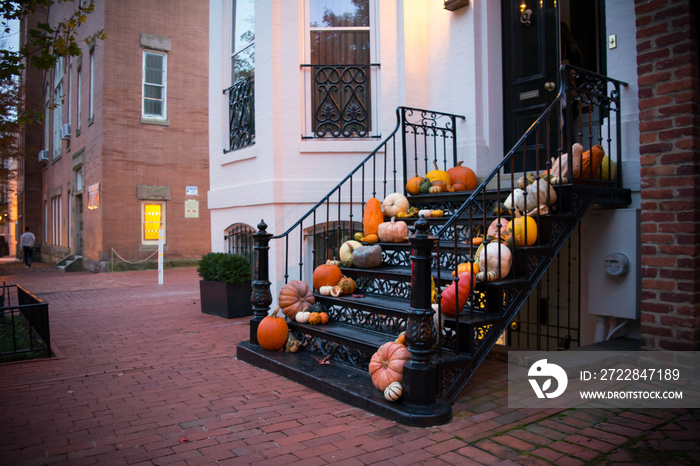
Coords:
123,149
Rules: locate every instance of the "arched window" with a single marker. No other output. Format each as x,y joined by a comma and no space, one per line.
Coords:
238,239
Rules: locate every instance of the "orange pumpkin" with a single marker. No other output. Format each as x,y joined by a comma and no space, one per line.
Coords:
272,332
387,363
463,175
413,185
372,217
347,285
314,318
324,317
472,267
326,275
592,158
295,297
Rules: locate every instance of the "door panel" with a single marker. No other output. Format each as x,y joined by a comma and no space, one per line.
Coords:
530,72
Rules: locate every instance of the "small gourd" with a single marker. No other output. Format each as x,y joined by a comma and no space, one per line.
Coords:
326,290
425,213
347,285
435,189
314,318
370,239
437,213
302,317
413,185
324,317
394,391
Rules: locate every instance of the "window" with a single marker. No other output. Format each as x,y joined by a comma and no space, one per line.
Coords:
79,100
56,220
239,240
47,117
155,67
153,218
91,103
70,89
340,50
241,94
57,107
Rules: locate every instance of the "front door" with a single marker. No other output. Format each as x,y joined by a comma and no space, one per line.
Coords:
530,68
538,36
78,225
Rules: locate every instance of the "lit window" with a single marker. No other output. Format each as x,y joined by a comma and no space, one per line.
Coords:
153,220
154,85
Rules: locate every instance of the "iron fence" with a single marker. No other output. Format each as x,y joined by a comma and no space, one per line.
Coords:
241,113
21,309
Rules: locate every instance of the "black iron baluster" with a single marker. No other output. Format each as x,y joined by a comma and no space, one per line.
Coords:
261,298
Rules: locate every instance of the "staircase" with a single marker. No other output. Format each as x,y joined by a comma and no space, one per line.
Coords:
71,263
396,297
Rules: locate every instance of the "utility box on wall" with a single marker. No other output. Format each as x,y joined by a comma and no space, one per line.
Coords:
610,246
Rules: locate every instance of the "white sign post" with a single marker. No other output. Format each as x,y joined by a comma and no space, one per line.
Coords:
160,256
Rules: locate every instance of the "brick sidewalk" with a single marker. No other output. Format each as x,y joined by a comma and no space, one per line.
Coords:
143,377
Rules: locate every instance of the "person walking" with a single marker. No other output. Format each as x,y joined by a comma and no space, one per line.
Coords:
26,241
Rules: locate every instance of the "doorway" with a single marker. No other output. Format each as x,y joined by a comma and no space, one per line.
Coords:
78,225
535,34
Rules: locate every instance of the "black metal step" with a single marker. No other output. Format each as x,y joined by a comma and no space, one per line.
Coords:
355,337
343,383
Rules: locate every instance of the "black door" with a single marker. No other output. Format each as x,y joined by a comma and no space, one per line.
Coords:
530,74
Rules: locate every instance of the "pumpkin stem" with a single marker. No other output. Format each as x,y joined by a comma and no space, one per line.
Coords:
274,313
436,165
459,164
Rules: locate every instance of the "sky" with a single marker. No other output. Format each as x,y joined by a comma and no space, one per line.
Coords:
11,40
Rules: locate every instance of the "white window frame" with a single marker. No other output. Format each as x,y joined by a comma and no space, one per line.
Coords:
373,70
47,117
150,116
70,90
57,108
91,104
163,221
56,220
79,100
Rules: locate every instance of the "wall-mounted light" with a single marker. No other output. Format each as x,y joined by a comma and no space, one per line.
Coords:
453,5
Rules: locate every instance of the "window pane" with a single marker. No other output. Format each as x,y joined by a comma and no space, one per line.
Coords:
243,63
153,107
154,76
243,24
153,92
154,61
340,48
151,221
339,13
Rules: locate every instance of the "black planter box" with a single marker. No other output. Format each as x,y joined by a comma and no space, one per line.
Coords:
229,301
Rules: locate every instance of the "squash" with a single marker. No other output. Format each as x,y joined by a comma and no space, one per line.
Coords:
358,236
326,274
273,332
324,317
495,260
519,225
393,231
393,392
607,171
441,184
471,267
372,217
463,175
326,290
347,285
539,192
370,238
437,213
516,200
438,174
590,163
401,339
395,203
302,317
435,189
413,185
346,250
493,233
449,305
314,318
425,187
367,257
386,365
425,213
295,297
560,173
459,187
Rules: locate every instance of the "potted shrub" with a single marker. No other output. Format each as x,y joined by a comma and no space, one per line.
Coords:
225,288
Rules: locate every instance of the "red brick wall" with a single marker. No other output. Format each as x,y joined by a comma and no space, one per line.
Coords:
667,65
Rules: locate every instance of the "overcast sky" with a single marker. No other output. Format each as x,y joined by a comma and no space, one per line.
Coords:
10,40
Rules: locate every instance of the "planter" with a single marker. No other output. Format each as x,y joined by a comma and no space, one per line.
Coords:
229,301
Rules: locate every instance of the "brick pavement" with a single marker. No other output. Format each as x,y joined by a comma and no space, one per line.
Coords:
143,377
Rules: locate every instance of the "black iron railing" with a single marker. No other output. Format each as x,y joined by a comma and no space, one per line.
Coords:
238,239
597,121
341,100
241,113
24,324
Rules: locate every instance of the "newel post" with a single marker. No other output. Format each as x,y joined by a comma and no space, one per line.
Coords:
419,373
260,298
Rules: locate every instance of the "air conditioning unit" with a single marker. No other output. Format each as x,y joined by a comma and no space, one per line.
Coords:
65,131
43,156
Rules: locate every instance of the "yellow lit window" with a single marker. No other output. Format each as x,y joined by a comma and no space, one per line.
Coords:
152,221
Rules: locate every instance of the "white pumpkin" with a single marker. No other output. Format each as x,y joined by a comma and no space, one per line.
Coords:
302,317
326,290
539,192
394,391
346,250
495,261
394,203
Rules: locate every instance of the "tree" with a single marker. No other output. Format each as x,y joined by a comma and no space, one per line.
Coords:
45,42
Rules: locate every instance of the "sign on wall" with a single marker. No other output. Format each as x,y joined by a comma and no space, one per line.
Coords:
94,196
191,190
191,208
